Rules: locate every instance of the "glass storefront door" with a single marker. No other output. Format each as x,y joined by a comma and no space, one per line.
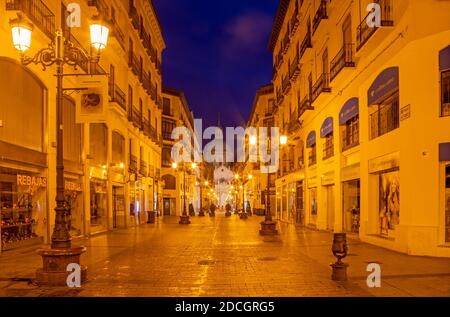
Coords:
118,207
99,206
351,205
313,206
300,217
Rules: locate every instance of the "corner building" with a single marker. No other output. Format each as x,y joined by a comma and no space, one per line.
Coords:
112,165
366,110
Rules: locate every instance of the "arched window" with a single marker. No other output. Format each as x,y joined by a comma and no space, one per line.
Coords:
23,98
170,182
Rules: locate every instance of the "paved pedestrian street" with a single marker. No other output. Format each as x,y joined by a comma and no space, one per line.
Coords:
227,257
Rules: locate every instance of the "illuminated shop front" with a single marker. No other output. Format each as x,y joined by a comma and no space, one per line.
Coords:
74,199
23,201
99,205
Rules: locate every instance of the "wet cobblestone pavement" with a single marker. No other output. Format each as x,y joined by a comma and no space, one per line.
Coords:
227,257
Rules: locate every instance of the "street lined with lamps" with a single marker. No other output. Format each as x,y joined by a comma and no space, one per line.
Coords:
59,52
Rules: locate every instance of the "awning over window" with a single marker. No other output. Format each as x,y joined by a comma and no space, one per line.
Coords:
327,127
386,83
311,140
444,59
349,111
444,152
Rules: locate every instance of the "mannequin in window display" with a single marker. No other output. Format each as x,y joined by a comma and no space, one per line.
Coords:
394,203
384,218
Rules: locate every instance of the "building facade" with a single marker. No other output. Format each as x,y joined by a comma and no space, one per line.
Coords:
366,109
112,163
176,113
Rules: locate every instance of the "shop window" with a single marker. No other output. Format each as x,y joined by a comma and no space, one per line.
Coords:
385,116
351,205
328,147
350,133
313,205
72,132
445,91
312,159
389,201
22,208
447,203
22,112
98,208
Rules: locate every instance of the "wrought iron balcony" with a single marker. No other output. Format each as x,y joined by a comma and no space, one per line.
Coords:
306,43
294,67
285,43
322,85
118,33
321,14
135,117
295,21
133,167
364,32
37,12
146,81
143,168
344,58
286,84
134,17
146,127
117,95
304,106
134,64
294,124
153,92
102,7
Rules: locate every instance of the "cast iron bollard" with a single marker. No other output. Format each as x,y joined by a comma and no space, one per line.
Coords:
339,250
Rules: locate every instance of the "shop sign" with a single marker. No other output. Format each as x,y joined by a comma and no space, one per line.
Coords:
328,179
405,113
32,181
312,182
72,186
384,163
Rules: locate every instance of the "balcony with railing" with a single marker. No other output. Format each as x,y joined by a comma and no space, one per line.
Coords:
153,134
304,106
135,117
117,32
294,124
143,168
294,67
295,21
153,91
286,42
101,6
321,14
37,12
134,64
306,43
286,84
322,85
350,138
117,95
344,58
146,81
364,32
146,127
134,16
133,166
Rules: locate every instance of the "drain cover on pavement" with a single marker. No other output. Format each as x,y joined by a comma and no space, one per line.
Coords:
206,262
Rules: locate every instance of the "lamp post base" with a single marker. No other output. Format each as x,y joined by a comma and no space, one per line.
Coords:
201,213
268,228
55,262
243,215
184,220
339,271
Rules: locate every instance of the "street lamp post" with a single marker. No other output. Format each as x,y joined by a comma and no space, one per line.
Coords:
184,217
268,226
60,52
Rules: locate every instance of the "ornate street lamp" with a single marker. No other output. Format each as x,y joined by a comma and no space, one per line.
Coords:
268,226
60,52
184,217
